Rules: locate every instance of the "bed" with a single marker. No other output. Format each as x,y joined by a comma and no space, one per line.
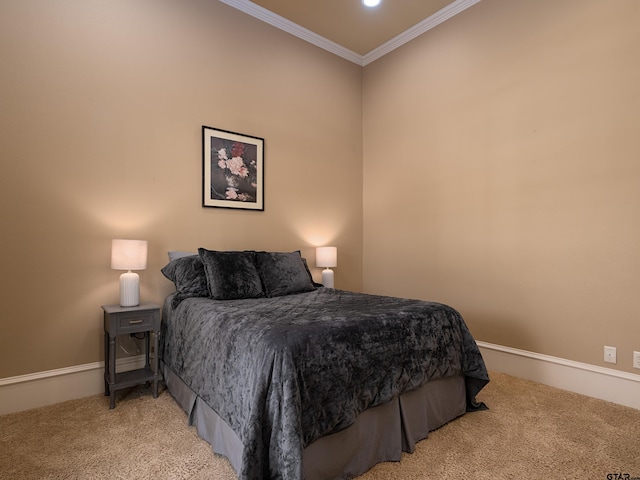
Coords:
291,380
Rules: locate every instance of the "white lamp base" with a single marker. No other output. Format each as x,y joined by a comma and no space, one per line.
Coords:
129,289
327,278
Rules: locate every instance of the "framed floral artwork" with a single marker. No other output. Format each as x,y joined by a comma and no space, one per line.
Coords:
232,170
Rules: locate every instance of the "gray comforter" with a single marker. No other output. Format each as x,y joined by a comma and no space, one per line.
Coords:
285,371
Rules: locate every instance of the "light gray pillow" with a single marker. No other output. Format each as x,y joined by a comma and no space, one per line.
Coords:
175,254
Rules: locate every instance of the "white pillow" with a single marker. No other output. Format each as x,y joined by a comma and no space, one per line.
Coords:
173,254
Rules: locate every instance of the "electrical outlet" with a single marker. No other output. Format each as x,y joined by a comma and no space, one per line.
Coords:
636,359
610,354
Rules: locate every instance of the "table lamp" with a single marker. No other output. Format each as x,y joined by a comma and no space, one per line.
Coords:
327,257
129,255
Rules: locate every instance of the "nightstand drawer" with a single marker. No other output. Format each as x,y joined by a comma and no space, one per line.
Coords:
135,321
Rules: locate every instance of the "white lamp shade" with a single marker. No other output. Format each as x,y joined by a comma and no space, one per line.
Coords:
326,257
128,254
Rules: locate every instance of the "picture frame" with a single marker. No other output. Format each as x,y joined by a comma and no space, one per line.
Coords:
232,170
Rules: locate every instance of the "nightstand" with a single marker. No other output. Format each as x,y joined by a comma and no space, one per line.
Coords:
145,318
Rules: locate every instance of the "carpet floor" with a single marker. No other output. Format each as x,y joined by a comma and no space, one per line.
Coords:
530,431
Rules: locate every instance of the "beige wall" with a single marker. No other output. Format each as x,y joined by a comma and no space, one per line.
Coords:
102,104
501,169
502,174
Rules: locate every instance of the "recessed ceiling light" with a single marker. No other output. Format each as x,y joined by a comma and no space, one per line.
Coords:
370,3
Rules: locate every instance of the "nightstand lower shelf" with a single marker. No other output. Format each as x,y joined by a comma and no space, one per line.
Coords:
131,378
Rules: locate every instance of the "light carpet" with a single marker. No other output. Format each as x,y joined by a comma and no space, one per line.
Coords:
530,431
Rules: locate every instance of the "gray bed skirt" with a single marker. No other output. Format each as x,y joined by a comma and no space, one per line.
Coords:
379,434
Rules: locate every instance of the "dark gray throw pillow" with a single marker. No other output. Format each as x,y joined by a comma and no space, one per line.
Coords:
283,273
188,275
231,275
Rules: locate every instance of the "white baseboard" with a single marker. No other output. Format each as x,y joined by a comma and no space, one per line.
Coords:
54,386
604,383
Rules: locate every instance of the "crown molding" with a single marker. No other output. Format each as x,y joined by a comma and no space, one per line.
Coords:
288,26
418,29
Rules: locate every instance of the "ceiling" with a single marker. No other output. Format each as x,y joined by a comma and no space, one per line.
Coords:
348,28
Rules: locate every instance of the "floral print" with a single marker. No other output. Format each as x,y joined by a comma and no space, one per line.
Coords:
234,170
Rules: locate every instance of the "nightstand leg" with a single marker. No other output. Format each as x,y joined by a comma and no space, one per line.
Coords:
106,364
147,335
112,371
156,363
